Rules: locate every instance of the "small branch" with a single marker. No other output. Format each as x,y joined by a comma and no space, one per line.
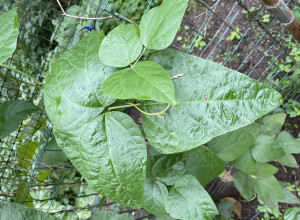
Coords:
85,18
61,7
121,106
21,81
22,73
126,19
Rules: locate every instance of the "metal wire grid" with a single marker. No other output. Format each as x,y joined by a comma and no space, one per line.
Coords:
251,62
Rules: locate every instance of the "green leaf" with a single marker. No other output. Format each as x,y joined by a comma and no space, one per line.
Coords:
265,170
204,164
232,145
246,163
121,46
288,160
289,144
270,203
14,211
53,154
146,81
292,214
169,168
289,197
189,200
110,153
244,184
155,195
108,149
226,209
269,188
108,215
211,100
278,117
271,129
9,32
159,26
12,113
266,149
26,154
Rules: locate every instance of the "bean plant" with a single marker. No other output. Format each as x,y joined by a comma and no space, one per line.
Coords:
185,102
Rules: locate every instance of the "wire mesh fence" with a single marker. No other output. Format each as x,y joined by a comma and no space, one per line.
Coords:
238,34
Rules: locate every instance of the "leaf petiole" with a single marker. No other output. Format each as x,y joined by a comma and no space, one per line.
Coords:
159,114
137,60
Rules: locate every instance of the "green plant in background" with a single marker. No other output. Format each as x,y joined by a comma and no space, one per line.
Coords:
235,34
250,149
292,108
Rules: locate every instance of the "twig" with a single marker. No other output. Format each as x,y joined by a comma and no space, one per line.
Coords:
79,17
126,19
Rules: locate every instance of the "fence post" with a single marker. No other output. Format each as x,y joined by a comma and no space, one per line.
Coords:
285,15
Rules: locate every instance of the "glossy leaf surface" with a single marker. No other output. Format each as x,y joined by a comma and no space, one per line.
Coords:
121,46
9,32
266,149
189,200
169,168
15,211
204,164
211,100
155,195
108,149
160,25
146,81
12,113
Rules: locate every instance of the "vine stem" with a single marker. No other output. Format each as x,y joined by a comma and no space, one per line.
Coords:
18,80
159,114
121,106
137,60
22,73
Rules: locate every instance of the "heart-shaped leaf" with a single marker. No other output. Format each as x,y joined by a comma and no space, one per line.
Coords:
121,46
289,144
108,149
9,32
244,183
189,200
160,25
246,163
269,188
146,81
211,100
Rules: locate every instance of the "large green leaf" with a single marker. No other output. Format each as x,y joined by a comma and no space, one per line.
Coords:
189,200
9,32
110,153
108,149
204,164
121,46
289,144
232,145
278,117
169,168
269,188
244,184
155,195
266,149
73,90
289,197
211,100
108,215
26,154
246,163
15,211
265,170
146,80
12,113
160,25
